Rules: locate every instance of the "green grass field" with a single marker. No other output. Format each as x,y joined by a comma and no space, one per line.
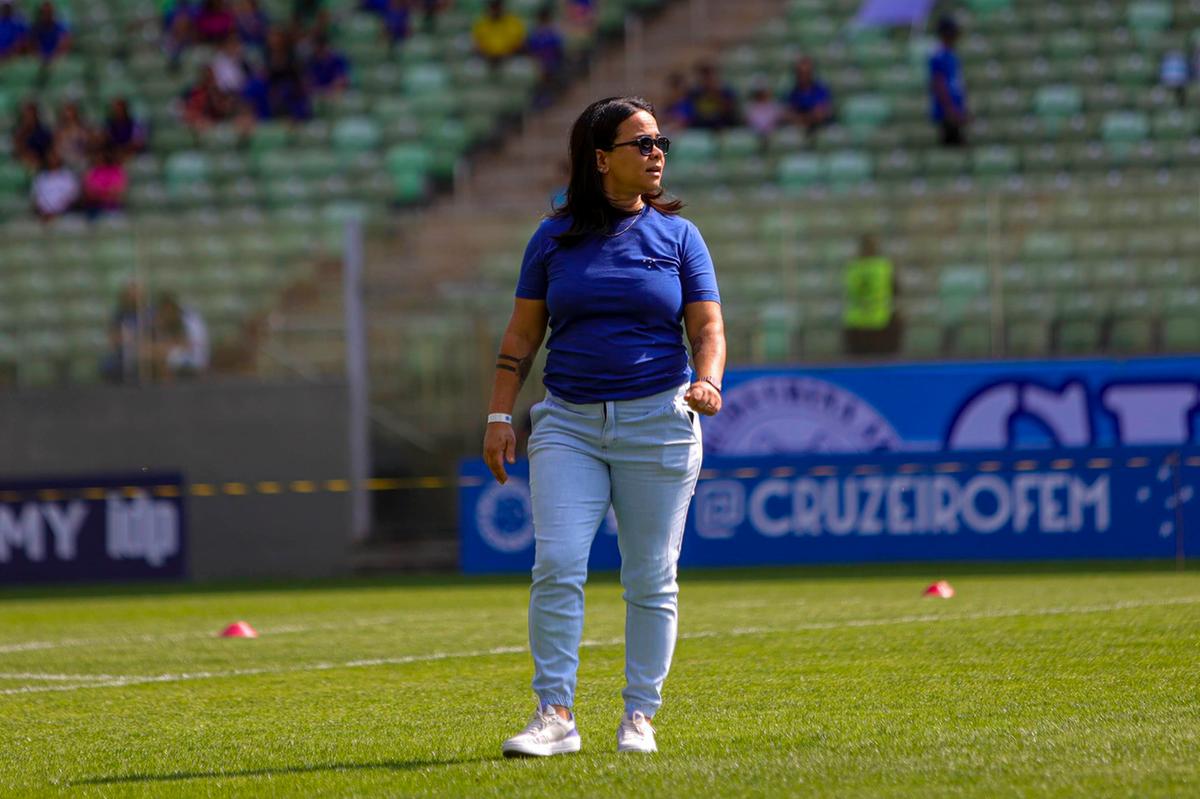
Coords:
1038,681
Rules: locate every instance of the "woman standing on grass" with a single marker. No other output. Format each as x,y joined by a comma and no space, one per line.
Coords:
618,276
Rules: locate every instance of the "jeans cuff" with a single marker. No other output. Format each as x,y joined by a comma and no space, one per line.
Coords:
551,699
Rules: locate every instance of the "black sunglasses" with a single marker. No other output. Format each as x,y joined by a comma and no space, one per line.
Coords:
646,144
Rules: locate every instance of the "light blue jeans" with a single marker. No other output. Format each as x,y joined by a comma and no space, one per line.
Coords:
642,457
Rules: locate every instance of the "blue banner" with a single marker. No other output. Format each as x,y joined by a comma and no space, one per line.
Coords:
990,405
105,528
1130,502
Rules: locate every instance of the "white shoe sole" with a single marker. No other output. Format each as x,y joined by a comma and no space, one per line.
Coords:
635,748
521,749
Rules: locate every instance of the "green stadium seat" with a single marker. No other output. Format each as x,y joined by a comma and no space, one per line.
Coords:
739,143
186,168
1078,337
1124,127
1131,336
1149,17
1175,124
355,134
865,111
848,167
1027,337
970,340
921,340
799,171
995,161
1047,246
1058,101
1181,334
959,287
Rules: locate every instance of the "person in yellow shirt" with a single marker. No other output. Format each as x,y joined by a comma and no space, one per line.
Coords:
498,33
870,324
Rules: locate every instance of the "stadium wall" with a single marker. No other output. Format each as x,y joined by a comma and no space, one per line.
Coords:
236,437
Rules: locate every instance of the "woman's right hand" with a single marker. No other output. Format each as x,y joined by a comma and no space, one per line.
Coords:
499,446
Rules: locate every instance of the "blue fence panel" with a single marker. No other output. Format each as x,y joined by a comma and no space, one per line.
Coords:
955,406
1129,502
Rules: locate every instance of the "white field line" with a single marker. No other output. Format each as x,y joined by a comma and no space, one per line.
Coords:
150,638
110,681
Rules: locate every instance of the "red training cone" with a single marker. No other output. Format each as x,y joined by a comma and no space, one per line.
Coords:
239,629
941,589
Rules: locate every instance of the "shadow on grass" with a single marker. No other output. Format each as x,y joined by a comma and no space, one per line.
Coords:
179,776
691,575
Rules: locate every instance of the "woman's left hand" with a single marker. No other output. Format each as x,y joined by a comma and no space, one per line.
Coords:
703,398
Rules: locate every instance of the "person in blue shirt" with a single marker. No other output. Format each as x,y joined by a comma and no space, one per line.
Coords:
947,93
13,31
328,70
252,24
49,36
545,43
712,104
397,20
809,103
618,278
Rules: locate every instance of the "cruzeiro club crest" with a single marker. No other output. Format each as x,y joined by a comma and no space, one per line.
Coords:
504,516
788,414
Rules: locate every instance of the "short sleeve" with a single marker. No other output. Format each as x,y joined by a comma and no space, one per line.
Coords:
532,282
697,274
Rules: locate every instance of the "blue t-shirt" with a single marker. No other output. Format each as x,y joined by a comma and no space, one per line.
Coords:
12,33
805,100
48,37
325,72
945,63
616,304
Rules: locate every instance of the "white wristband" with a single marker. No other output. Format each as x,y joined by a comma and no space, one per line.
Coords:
501,418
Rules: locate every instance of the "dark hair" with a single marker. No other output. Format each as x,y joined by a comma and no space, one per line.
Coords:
587,206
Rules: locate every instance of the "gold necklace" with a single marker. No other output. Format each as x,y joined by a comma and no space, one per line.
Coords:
632,222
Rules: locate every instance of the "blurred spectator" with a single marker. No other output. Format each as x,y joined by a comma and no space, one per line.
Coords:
180,340
328,70
809,102
257,93
870,323
581,13
545,43
763,112
55,189
105,184
948,94
713,104
229,66
214,22
122,132
677,110
396,20
431,10
14,32
306,11
32,141
252,23
1174,75
178,28
48,34
74,139
498,33
204,103
129,325
286,95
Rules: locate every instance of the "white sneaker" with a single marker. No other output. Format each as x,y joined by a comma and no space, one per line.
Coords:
547,733
635,734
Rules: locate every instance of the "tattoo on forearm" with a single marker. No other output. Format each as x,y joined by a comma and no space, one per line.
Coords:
521,369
